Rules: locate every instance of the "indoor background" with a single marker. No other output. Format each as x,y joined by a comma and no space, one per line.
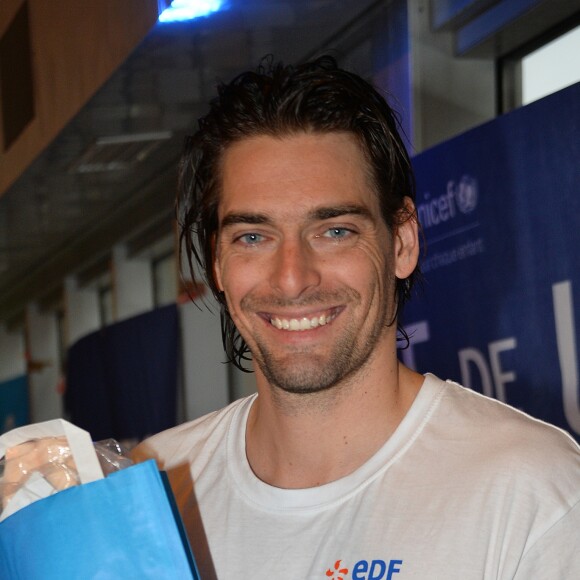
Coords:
96,98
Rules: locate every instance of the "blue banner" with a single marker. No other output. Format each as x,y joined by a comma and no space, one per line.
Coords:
14,411
500,211
122,380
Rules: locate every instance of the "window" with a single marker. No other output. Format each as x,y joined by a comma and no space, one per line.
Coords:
544,66
552,67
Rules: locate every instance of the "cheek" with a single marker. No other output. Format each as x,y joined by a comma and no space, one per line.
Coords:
373,263
238,277
375,271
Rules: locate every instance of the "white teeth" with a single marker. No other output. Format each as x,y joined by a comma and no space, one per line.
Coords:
295,324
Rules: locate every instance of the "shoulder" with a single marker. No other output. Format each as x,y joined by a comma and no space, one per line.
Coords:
480,413
500,458
192,441
500,433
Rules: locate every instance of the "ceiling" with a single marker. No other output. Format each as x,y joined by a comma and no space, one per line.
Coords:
109,177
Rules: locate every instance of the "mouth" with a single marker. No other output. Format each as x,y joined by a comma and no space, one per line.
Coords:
302,323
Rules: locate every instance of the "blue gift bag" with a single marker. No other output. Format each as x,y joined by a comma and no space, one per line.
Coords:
125,526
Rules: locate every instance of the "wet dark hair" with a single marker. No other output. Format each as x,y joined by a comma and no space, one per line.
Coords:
278,100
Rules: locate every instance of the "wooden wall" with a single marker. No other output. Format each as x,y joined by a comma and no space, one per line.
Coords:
76,45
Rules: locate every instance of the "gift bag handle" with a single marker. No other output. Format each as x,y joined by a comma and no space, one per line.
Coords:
79,441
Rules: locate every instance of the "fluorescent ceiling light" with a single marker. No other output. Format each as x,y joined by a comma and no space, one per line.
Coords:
180,10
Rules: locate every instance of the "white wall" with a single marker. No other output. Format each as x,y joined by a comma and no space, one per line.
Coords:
204,372
450,94
81,310
132,284
45,372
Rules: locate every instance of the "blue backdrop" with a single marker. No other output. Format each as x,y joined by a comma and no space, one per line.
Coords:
500,210
122,380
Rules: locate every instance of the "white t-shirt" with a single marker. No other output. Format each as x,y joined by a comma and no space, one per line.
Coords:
466,488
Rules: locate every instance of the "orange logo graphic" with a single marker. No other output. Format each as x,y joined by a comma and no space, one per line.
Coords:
337,573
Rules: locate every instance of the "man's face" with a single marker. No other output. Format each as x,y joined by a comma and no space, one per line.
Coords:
304,257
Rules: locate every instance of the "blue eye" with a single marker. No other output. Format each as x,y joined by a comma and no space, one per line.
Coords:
250,239
337,233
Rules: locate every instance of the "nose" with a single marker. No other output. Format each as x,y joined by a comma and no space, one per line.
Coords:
295,269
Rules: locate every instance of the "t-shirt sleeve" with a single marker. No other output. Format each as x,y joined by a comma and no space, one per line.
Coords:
556,554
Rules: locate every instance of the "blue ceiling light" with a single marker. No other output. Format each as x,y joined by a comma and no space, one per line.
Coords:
181,10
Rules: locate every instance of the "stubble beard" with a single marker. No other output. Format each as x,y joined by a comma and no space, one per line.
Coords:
301,371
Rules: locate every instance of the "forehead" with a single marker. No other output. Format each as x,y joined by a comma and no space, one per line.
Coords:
284,174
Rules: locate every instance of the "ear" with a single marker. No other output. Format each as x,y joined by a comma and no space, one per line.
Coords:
217,275
406,240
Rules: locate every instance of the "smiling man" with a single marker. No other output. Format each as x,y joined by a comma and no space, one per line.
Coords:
298,203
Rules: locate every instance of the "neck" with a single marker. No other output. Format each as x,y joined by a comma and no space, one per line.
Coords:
306,440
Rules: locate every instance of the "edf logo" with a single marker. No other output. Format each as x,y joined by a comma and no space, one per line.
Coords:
365,570
376,570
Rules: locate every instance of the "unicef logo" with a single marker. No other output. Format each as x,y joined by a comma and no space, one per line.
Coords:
459,198
466,194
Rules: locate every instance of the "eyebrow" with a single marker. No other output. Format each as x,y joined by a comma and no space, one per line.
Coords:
325,213
318,214
244,218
